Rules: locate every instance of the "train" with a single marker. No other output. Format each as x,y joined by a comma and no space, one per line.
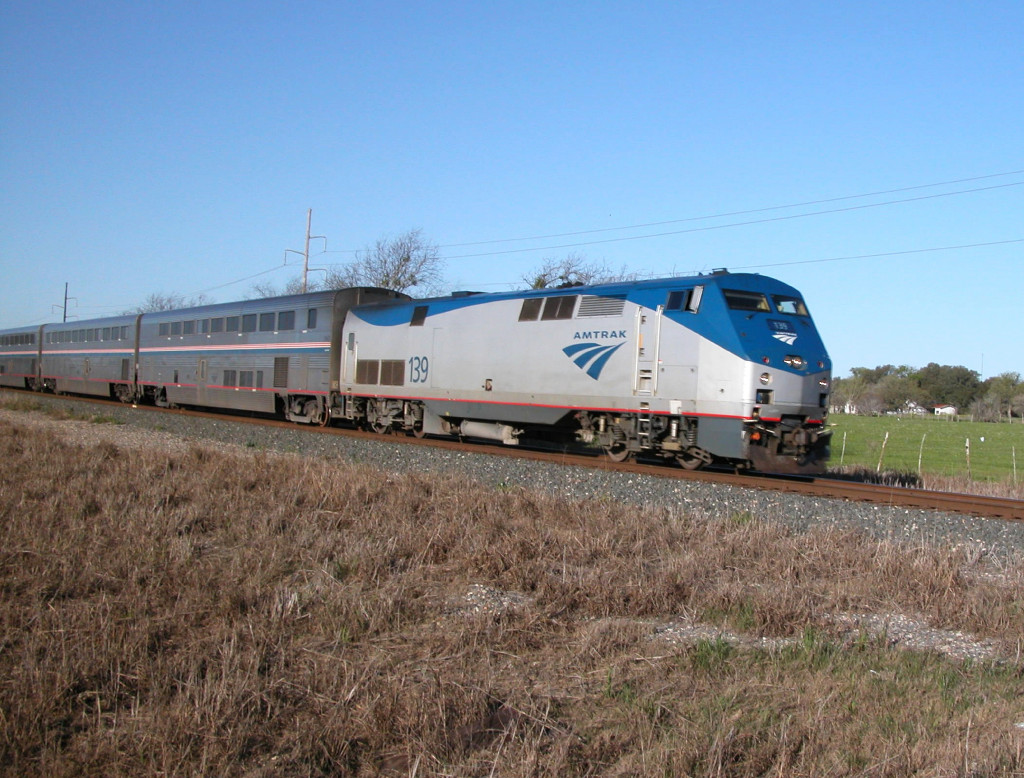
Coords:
713,369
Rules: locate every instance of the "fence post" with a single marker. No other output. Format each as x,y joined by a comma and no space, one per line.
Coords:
842,455
882,453
920,453
967,449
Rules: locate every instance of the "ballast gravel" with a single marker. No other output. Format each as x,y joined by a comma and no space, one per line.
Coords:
1002,542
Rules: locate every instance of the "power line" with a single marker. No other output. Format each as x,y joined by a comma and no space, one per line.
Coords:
884,254
697,229
825,259
721,215
737,213
733,224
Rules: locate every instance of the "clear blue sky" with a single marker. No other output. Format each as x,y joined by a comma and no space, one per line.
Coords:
175,148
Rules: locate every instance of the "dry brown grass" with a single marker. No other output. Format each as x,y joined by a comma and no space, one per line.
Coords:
248,614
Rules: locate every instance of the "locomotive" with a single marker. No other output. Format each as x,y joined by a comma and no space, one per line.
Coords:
723,368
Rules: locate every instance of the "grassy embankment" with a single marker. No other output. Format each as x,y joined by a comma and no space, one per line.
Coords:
249,614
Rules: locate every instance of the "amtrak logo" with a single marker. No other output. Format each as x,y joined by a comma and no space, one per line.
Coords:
782,330
591,357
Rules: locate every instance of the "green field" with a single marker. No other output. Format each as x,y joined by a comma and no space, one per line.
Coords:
992,446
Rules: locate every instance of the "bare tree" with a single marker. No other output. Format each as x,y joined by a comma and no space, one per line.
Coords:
170,302
406,263
574,270
293,286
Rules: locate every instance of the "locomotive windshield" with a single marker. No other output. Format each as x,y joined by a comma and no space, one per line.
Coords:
792,305
740,300
746,301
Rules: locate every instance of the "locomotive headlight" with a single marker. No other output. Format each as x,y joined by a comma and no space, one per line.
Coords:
795,362
823,383
766,378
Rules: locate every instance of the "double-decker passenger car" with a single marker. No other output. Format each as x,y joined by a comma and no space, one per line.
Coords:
94,357
19,357
271,355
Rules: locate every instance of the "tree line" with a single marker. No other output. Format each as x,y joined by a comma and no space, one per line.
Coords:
900,389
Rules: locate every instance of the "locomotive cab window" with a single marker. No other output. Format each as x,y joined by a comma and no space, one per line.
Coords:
740,300
419,315
685,300
791,305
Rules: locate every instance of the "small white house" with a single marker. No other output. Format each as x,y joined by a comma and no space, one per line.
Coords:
945,410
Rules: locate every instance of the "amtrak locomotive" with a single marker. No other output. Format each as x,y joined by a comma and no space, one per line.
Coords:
721,368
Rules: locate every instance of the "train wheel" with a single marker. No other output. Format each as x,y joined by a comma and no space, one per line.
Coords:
618,452
325,418
418,431
694,458
690,462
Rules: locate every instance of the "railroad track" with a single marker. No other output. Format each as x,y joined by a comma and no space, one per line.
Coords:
824,487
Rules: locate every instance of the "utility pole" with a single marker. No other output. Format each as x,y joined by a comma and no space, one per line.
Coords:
64,308
305,252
